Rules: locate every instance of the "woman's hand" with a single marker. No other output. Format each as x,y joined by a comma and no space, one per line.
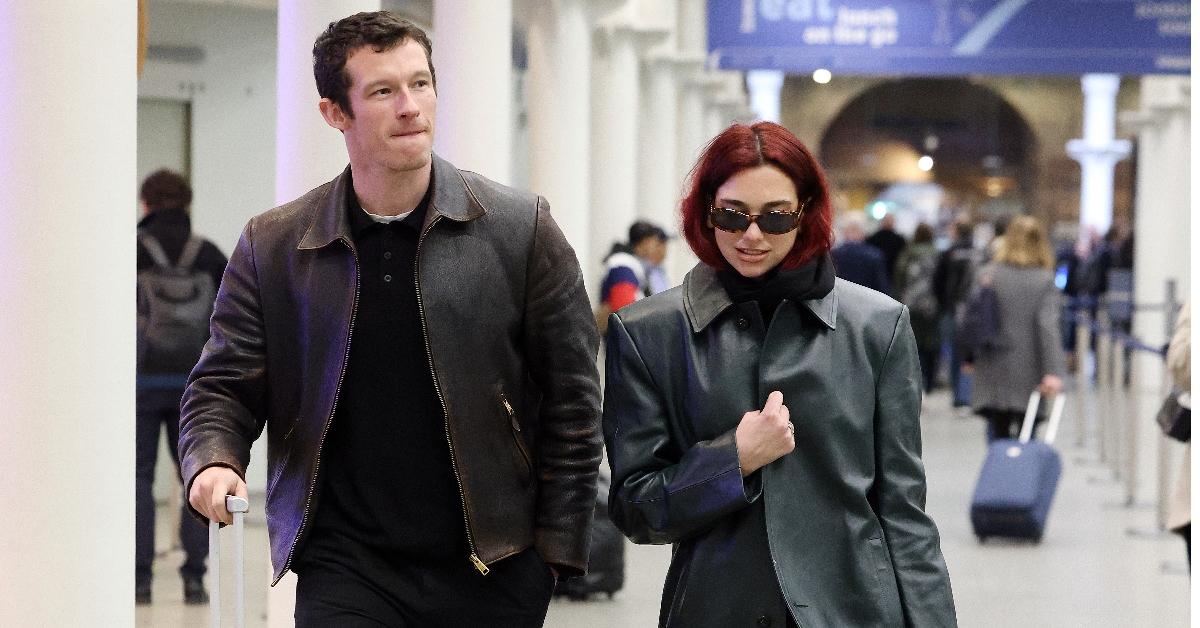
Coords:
1051,385
764,436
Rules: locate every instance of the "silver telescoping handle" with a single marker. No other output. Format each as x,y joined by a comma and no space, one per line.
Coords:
1035,398
237,506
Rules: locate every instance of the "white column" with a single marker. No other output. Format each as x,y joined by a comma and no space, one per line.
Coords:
1162,229
765,88
559,45
472,51
659,177
308,152
692,41
67,313
614,145
1098,151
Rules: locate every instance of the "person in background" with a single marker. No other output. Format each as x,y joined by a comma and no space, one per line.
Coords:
1087,278
165,241
855,260
888,242
808,514
1028,353
913,285
1179,361
951,281
416,341
633,269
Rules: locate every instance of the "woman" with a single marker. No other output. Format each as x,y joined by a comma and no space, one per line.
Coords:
763,417
1028,353
913,284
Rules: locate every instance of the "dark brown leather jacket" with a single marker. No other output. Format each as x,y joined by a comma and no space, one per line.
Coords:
512,345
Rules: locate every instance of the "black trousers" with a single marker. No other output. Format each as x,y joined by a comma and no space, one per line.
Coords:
157,409
345,585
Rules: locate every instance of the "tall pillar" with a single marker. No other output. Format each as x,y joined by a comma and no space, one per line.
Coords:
766,87
472,51
559,43
659,174
1162,228
693,42
1098,152
67,321
308,152
615,134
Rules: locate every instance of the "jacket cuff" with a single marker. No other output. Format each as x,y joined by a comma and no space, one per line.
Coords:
549,544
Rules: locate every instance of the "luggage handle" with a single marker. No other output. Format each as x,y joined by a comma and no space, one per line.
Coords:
1035,399
238,507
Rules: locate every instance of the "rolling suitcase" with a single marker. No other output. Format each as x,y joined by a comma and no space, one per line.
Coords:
1018,480
606,559
238,507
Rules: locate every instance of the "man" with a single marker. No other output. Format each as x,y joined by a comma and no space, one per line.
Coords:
952,279
888,242
417,342
168,252
855,260
634,270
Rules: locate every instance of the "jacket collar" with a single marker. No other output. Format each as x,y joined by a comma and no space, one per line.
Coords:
704,299
451,198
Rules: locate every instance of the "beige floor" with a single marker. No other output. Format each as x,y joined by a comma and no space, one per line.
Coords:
1088,571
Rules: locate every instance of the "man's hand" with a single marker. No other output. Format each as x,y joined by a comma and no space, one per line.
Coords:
764,436
209,490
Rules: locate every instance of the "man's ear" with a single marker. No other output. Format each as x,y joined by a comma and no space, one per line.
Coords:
333,114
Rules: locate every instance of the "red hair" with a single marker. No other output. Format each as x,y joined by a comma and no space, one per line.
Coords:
741,147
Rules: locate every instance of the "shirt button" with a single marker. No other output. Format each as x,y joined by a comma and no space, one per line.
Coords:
743,324
387,255
387,277
764,621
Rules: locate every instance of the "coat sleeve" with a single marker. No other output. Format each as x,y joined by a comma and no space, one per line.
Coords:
912,538
1049,335
662,492
560,345
222,411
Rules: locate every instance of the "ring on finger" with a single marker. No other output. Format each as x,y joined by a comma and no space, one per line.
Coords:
791,428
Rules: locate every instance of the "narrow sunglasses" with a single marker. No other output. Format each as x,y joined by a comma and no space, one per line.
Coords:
733,220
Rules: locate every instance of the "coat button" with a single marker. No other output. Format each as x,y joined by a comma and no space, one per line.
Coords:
742,323
764,621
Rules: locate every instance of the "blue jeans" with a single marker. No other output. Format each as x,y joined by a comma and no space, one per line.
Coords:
960,384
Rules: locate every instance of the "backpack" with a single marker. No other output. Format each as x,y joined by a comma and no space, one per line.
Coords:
918,288
174,305
979,323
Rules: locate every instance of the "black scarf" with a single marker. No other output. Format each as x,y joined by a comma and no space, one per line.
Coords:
810,281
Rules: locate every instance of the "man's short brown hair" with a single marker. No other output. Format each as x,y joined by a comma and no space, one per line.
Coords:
382,30
166,189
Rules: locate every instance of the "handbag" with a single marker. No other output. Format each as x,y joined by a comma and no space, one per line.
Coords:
1175,416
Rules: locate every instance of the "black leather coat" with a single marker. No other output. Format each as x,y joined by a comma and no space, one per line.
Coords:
512,344
835,532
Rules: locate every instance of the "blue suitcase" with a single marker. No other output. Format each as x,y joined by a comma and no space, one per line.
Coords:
1017,483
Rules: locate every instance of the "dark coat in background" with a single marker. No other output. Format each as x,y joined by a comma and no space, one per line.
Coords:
862,264
835,533
891,244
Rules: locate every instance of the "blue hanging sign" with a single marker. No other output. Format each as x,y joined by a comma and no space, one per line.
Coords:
934,37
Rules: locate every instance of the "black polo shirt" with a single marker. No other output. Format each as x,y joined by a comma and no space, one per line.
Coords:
386,479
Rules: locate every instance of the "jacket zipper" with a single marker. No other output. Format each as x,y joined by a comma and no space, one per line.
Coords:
516,429
480,566
337,393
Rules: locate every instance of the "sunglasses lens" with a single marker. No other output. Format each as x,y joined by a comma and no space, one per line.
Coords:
776,222
730,219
